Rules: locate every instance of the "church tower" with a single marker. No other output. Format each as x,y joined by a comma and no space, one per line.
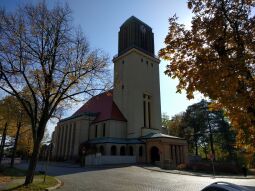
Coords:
136,79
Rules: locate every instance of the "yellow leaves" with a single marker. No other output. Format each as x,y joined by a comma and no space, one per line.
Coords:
207,59
190,5
190,95
72,78
215,106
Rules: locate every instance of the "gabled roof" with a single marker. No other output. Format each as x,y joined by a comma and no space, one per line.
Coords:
159,135
104,105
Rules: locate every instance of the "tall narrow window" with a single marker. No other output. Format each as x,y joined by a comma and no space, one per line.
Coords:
69,139
149,113
73,140
144,113
65,143
147,110
95,131
103,129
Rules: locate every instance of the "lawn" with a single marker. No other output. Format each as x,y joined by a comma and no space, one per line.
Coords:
14,178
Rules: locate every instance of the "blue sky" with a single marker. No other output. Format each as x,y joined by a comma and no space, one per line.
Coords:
100,21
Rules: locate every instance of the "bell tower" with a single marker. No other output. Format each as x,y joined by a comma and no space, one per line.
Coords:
136,79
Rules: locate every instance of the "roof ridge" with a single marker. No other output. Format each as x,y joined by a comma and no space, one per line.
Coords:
136,19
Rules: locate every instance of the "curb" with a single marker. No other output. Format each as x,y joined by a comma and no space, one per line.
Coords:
200,175
56,186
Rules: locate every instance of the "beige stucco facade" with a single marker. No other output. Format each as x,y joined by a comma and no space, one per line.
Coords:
70,134
172,152
136,74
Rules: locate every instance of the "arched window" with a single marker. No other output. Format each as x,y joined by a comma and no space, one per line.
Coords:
131,151
113,150
122,150
155,156
140,151
101,149
96,131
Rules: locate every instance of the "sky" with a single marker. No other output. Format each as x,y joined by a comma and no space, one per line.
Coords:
100,21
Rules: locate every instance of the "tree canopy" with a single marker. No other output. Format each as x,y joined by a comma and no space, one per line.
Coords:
216,58
206,131
44,62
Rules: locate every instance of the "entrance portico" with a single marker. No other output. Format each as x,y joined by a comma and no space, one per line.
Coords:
166,151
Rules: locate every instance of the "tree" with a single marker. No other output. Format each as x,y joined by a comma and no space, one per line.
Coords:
176,125
7,116
3,141
207,129
216,58
165,120
44,63
196,122
14,117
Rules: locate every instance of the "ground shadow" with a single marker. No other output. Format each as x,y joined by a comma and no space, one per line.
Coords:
249,187
61,168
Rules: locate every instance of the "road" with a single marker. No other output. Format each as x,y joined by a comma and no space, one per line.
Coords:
132,178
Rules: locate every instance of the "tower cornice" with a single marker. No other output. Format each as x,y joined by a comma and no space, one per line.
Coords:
117,57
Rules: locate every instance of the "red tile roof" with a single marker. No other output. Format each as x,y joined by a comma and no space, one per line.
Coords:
104,105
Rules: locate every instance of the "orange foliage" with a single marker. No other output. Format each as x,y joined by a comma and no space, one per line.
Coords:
216,57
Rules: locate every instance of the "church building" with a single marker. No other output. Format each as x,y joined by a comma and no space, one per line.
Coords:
123,125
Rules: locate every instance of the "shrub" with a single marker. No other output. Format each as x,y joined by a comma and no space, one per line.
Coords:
181,167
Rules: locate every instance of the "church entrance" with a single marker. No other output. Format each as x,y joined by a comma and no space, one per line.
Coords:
154,154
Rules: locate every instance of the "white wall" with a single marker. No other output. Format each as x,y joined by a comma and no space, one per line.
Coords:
100,160
133,78
77,131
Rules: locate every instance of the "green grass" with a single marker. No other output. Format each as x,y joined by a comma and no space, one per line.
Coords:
37,185
8,171
18,178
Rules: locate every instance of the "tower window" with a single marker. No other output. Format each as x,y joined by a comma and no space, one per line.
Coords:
123,61
151,64
144,113
141,59
147,62
147,110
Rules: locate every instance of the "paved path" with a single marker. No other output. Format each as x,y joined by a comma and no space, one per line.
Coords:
131,178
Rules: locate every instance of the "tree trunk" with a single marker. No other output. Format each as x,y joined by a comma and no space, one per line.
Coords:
205,151
211,137
15,144
196,149
33,162
3,142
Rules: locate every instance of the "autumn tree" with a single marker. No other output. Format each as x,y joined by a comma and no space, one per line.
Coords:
216,58
25,142
175,125
14,121
45,62
8,121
